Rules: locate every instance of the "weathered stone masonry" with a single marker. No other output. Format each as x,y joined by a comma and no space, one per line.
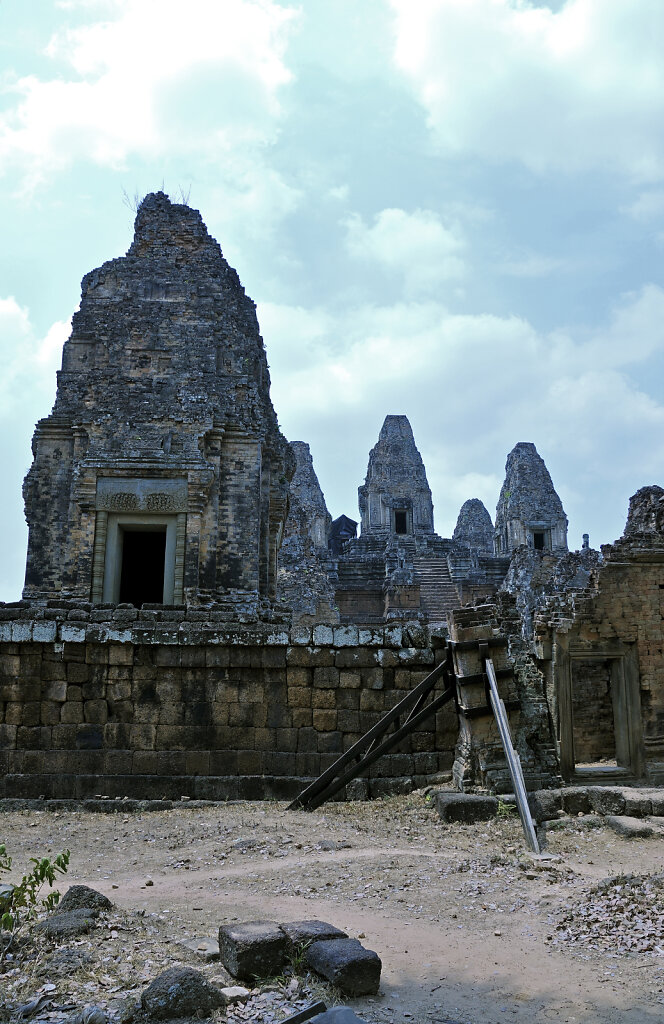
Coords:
155,709
161,473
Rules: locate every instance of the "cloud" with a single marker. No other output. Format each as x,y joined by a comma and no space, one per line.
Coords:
416,246
144,81
27,391
473,386
558,90
29,362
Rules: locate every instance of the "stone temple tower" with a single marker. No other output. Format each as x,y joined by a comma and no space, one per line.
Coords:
395,497
529,511
161,474
474,529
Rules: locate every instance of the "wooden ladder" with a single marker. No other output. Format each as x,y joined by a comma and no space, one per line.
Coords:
406,716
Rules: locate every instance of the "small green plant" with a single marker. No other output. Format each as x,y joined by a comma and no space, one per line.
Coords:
505,810
20,903
297,957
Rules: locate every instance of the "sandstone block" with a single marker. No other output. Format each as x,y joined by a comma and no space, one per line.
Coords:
257,949
465,807
347,964
637,805
323,635
302,717
323,699
326,677
299,932
298,676
630,828
325,721
49,712
545,804
575,800
605,800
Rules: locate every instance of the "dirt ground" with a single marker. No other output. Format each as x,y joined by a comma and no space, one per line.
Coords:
464,920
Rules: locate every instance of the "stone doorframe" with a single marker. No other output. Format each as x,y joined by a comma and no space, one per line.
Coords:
628,726
141,503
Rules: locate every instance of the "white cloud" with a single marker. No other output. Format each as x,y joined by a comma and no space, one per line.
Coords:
149,79
473,387
27,390
29,362
580,87
416,246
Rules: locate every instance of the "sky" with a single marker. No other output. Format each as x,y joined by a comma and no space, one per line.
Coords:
449,209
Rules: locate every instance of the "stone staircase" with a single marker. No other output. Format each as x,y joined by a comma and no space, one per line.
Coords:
438,594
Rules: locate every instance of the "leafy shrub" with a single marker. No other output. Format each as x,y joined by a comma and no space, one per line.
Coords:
19,903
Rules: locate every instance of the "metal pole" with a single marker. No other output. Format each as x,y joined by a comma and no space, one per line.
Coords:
513,761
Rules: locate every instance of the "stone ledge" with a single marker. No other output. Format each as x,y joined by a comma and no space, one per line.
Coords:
27,627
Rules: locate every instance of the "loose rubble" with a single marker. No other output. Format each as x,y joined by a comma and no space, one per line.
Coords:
623,915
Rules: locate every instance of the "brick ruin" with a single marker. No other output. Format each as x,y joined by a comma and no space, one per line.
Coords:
195,623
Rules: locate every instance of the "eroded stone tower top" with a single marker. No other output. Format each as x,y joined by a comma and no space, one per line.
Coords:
163,438
645,519
308,516
529,511
474,528
395,497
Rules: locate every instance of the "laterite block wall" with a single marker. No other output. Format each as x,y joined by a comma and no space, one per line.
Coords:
156,710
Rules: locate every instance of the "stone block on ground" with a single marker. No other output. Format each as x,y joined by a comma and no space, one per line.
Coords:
301,932
465,807
575,800
256,949
630,828
544,804
637,805
181,992
72,922
347,964
606,799
81,897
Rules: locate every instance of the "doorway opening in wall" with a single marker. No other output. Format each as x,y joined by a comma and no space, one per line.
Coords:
594,714
538,540
142,566
400,521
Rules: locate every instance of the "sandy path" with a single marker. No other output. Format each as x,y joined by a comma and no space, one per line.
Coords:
459,916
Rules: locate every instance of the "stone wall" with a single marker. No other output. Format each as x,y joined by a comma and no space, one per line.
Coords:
609,618
153,708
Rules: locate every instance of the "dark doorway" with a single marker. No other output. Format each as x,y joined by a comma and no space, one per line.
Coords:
400,522
538,541
142,572
594,713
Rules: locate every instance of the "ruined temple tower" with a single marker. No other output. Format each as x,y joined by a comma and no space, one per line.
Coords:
474,529
396,498
529,511
161,474
304,561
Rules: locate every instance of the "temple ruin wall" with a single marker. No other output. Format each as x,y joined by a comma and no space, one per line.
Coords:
155,709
